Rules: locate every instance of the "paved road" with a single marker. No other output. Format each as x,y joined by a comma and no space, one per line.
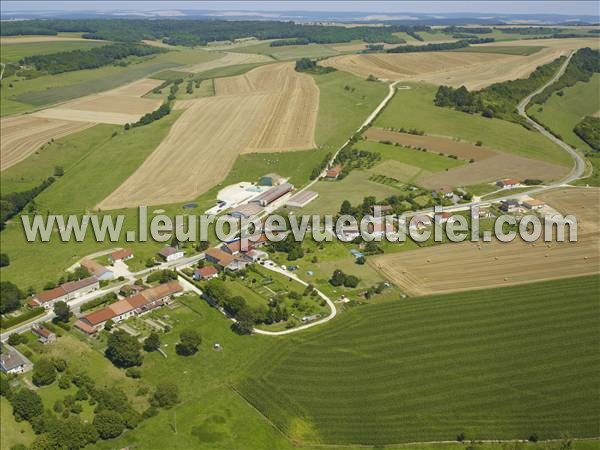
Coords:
331,315
579,167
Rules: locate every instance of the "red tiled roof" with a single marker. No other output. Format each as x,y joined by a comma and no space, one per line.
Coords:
137,301
93,267
97,317
52,294
85,327
73,286
42,331
219,256
207,271
121,254
334,171
120,307
162,290
168,251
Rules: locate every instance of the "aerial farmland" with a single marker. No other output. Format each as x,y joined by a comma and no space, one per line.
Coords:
237,229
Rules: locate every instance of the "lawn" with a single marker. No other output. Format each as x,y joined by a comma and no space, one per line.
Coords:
494,364
354,188
289,51
15,52
414,108
13,432
429,161
562,113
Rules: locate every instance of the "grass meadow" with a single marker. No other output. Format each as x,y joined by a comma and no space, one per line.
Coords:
15,52
494,364
414,108
21,95
562,113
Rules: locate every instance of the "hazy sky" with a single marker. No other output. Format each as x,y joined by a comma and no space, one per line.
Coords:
524,7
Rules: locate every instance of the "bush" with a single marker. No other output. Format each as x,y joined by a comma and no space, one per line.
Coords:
189,341
16,339
133,372
26,404
44,372
64,382
166,395
109,424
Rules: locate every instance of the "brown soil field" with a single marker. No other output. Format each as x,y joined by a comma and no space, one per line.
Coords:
118,106
501,165
468,265
438,144
282,107
228,59
473,70
489,165
23,135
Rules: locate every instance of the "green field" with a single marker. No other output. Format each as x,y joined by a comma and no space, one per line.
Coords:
20,95
503,363
15,52
523,50
430,161
414,108
561,114
289,51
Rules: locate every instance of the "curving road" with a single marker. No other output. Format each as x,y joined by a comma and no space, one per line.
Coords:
577,171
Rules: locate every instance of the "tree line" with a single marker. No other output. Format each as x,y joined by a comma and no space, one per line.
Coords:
584,63
499,99
589,131
13,203
87,59
193,32
438,47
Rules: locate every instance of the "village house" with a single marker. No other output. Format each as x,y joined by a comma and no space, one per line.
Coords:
139,304
12,361
534,204
65,292
98,270
45,336
419,222
120,255
131,289
225,260
273,194
381,210
205,273
443,217
333,172
256,255
508,183
381,229
509,206
348,233
171,253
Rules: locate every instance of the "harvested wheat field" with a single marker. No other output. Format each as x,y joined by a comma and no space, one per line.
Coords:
23,135
475,265
473,70
118,106
228,59
438,144
278,113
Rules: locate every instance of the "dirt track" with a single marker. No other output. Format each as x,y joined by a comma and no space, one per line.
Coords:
466,266
23,135
272,108
473,70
